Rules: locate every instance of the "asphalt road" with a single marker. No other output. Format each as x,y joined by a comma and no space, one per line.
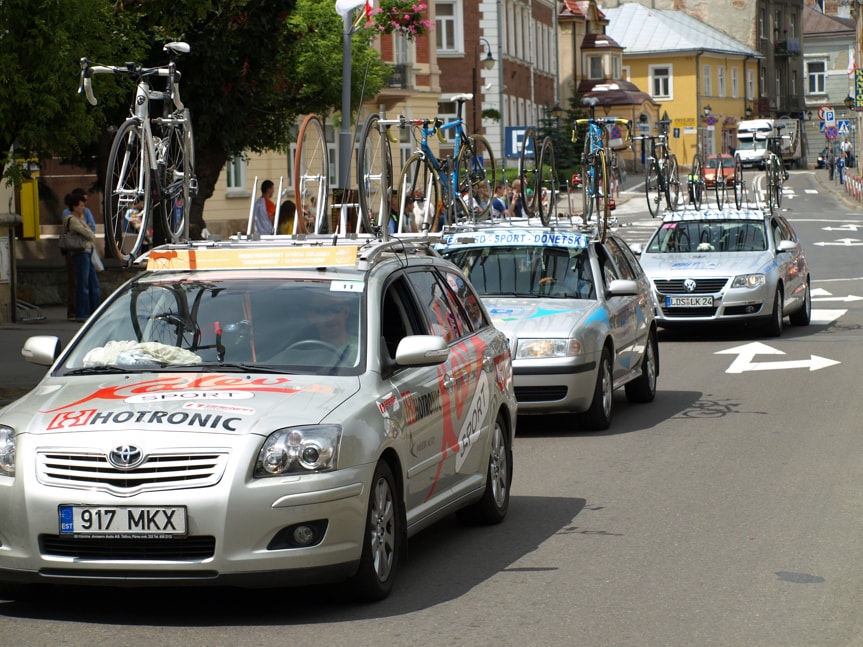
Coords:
728,512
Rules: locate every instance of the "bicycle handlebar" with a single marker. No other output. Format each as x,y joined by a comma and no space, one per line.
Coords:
88,69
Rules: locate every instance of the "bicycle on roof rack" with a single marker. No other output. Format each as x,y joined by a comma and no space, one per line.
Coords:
152,159
538,177
662,180
774,173
456,188
595,160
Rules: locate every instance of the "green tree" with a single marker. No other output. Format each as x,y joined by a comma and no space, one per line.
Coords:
254,66
40,47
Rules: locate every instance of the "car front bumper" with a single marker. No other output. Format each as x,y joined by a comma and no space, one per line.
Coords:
731,305
554,386
238,529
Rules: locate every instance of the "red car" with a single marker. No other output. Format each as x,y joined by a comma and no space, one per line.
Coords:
711,165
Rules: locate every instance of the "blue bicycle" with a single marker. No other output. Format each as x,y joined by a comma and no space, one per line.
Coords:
457,188
595,160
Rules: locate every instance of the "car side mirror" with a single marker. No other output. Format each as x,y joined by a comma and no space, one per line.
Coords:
786,246
41,349
622,288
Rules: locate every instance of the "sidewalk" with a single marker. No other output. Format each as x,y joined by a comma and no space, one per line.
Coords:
18,375
822,176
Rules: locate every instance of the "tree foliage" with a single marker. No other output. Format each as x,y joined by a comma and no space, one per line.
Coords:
254,66
40,48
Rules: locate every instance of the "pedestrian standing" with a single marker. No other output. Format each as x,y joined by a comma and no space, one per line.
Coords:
87,292
265,209
70,270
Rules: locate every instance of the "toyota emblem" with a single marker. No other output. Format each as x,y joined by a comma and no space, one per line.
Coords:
689,285
126,457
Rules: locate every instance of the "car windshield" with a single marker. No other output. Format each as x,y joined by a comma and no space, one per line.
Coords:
527,271
709,236
291,326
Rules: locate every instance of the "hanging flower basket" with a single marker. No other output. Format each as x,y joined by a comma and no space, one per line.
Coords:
398,16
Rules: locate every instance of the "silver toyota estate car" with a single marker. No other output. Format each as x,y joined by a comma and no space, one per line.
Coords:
728,266
577,311
259,413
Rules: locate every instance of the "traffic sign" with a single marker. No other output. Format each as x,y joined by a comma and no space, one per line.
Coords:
832,132
514,137
844,126
830,117
821,111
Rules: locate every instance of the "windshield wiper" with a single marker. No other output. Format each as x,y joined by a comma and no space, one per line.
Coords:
231,367
97,370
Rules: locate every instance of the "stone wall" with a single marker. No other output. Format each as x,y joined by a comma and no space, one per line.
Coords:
43,282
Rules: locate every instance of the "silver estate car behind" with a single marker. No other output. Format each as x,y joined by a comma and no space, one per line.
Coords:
728,266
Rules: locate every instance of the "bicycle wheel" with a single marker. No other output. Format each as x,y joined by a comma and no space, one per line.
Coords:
695,183
768,185
672,183
419,180
738,184
127,192
603,208
588,190
778,180
548,182
653,188
480,174
719,184
527,171
374,175
175,168
312,173
158,314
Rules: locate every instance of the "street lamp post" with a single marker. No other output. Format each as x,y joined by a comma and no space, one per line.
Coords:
488,63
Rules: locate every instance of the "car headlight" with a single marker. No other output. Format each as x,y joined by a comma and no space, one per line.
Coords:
7,451
748,281
299,450
541,348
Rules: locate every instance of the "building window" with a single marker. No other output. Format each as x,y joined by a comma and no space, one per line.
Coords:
762,29
235,173
447,34
594,67
720,80
750,85
661,81
625,73
615,67
762,80
735,85
706,82
816,73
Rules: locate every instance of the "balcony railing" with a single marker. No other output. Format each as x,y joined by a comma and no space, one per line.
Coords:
787,47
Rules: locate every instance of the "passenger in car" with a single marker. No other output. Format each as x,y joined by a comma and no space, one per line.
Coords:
330,315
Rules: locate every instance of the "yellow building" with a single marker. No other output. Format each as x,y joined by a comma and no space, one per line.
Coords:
703,80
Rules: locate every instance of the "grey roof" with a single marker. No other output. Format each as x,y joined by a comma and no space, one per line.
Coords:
641,30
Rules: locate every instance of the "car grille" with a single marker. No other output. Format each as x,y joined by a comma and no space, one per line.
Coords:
159,471
187,548
702,286
539,393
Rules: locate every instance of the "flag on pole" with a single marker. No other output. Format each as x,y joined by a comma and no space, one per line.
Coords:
344,7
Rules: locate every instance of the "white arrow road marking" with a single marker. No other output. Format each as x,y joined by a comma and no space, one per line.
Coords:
844,242
745,353
847,299
847,227
811,191
820,292
823,317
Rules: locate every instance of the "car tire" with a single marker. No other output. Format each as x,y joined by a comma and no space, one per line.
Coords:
803,316
493,505
382,539
643,388
598,416
774,324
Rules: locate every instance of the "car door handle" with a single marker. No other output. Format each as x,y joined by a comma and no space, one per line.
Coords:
448,382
